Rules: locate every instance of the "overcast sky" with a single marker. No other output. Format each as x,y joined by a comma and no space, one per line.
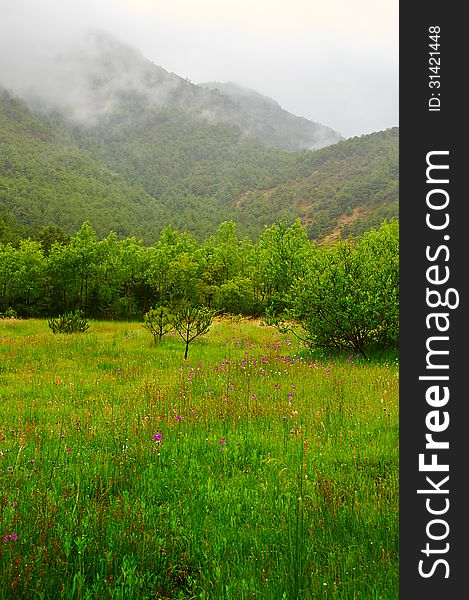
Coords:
332,61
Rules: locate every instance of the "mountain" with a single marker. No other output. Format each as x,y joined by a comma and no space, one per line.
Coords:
349,188
45,179
94,78
104,135
264,118
99,75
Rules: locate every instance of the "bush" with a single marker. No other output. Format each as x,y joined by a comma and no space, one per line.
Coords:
158,321
10,313
69,323
235,296
351,297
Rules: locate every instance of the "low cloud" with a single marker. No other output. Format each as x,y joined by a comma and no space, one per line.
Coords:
311,66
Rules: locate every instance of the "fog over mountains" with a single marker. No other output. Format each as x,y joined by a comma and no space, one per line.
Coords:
265,118
97,132
94,77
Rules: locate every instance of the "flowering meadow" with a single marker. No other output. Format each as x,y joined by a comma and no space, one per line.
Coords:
250,470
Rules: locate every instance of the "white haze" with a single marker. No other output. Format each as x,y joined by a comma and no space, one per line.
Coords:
87,75
341,74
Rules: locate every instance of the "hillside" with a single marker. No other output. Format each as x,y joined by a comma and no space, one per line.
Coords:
351,187
264,118
113,139
45,179
98,75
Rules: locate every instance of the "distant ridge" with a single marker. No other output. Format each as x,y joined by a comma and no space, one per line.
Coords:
102,134
265,118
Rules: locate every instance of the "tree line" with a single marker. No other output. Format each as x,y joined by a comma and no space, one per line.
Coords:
343,295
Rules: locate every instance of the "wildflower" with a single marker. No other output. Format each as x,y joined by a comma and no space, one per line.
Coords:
222,442
178,418
11,538
68,450
158,437
9,468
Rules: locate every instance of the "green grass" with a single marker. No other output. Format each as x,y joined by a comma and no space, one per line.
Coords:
276,476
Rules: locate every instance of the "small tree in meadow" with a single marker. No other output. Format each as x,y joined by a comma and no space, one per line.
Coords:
192,321
158,321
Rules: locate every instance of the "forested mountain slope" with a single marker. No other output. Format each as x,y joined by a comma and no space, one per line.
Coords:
115,140
264,118
350,187
45,179
97,75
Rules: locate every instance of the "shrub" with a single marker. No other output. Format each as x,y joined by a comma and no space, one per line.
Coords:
72,322
158,321
351,297
10,313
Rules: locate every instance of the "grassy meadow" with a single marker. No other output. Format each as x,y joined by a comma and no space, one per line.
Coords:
249,471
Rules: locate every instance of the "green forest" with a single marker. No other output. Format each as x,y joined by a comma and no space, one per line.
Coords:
342,295
142,169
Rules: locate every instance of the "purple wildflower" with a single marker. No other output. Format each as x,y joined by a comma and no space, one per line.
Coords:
158,436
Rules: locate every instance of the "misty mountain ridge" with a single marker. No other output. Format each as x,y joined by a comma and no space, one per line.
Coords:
273,124
100,133
99,78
